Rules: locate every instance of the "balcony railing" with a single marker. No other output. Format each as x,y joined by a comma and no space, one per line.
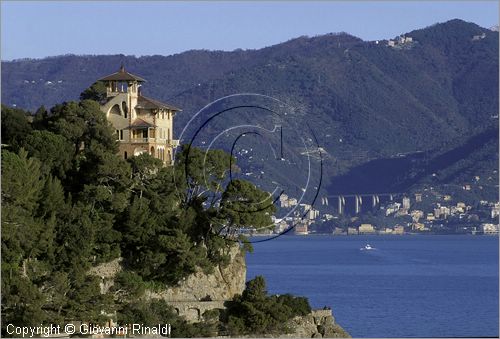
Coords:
142,140
171,142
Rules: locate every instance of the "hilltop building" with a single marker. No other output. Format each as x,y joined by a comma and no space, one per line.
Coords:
142,124
400,41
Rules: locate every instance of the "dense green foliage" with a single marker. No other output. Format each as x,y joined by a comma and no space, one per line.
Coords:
69,203
256,312
96,92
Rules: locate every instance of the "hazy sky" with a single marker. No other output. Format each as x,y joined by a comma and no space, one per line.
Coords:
39,29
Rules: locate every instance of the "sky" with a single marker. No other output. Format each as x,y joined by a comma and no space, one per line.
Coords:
48,28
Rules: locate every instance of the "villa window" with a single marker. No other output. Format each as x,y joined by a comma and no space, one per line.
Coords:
119,134
115,110
124,109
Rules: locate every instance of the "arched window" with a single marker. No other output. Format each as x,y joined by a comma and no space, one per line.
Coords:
152,151
124,109
125,155
115,110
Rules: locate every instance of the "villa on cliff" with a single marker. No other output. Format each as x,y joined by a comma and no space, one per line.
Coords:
142,124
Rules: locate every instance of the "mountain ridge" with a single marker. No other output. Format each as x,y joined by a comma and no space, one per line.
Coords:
365,99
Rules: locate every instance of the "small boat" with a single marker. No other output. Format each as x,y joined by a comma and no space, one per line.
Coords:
367,247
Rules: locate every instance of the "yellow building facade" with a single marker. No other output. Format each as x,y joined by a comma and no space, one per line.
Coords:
142,124
366,228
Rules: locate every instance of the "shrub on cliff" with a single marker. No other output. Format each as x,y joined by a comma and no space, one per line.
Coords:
256,312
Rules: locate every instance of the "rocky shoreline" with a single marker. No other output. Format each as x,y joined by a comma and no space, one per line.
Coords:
202,292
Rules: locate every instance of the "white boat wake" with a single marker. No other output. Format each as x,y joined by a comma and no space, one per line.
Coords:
367,247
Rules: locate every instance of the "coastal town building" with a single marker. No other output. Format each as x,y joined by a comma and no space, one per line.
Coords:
287,202
284,200
392,208
406,203
366,228
398,229
352,230
489,228
328,217
416,215
461,207
495,211
419,227
142,124
302,229
339,231
312,214
280,226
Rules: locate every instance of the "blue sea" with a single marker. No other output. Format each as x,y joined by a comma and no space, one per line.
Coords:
409,286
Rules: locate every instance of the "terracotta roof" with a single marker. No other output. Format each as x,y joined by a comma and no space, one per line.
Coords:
148,103
122,75
141,123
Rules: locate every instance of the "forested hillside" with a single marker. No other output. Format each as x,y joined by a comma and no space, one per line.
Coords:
69,204
364,99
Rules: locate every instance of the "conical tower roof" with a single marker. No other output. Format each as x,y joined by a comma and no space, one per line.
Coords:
122,75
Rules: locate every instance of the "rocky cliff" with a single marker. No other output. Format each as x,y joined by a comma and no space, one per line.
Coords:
221,285
318,324
201,292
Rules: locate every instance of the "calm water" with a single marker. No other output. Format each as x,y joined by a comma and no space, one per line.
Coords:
425,286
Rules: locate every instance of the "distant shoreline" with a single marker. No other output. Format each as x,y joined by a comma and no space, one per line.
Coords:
371,235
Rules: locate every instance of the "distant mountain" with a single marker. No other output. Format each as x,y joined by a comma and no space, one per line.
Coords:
365,100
